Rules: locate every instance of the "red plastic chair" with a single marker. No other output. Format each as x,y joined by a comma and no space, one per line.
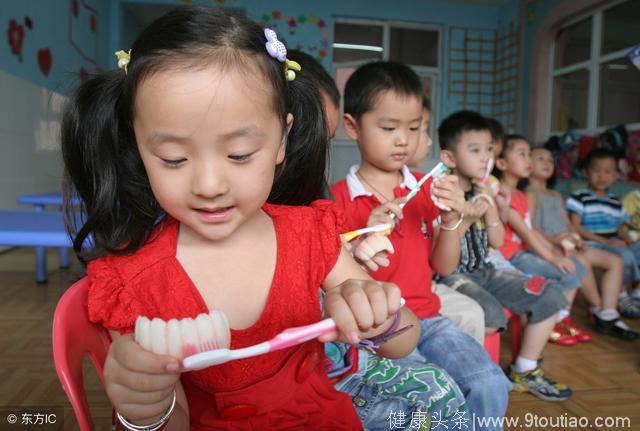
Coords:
74,336
492,347
492,342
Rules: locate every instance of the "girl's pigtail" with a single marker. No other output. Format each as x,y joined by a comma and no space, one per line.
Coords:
301,179
103,168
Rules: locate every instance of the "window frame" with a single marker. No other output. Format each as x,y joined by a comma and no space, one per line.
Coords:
592,65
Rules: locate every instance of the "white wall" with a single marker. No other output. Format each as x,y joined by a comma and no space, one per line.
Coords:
30,159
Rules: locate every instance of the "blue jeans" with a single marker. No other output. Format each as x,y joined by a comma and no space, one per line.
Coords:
630,257
389,395
484,385
532,264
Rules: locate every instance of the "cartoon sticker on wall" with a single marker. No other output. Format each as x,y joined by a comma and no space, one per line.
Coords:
15,37
44,60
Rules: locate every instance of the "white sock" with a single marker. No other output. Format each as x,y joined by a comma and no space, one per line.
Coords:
562,314
523,364
608,314
595,310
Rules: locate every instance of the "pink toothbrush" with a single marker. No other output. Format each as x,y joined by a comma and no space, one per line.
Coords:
287,338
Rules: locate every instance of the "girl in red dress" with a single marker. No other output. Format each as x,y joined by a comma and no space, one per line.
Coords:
179,159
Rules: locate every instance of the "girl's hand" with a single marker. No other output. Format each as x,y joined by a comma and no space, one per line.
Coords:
448,194
566,265
359,307
371,251
382,214
503,199
139,383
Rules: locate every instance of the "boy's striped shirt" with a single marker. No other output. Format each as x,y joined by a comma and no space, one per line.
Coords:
599,214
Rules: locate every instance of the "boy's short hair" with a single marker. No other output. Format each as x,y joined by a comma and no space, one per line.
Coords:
496,129
599,154
426,103
457,123
371,79
318,74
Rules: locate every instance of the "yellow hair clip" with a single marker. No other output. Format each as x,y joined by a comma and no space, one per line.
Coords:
290,69
124,57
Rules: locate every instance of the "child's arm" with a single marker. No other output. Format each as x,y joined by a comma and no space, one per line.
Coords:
139,385
537,244
364,308
495,228
445,255
623,233
576,222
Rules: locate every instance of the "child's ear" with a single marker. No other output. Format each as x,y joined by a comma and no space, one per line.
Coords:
283,145
448,159
501,164
351,126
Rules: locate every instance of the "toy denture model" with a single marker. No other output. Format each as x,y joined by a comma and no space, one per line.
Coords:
184,337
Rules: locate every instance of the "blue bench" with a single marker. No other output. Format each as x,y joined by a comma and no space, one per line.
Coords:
34,229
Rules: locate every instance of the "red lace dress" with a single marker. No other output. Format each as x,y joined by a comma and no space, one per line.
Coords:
286,389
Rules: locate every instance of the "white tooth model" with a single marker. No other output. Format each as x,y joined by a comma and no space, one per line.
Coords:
185,337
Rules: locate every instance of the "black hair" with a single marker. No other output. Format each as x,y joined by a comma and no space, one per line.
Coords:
102,162
313,74
551,181
456,124
598,154
369,80
315,71
496,129
426,103
509,140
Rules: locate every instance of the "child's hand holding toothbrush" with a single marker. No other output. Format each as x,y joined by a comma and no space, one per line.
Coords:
140,384
449,197
383,213
363,309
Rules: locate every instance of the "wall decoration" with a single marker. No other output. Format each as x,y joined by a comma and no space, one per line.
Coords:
44,60
83,13
15,36
305,39
483,70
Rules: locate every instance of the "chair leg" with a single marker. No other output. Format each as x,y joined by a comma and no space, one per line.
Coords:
492,346
41,265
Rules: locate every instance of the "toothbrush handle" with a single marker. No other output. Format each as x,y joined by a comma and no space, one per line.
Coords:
292,336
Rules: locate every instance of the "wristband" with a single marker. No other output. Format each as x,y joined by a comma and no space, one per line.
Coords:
458,223
391,332
156,426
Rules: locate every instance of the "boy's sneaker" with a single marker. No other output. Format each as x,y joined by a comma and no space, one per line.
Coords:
616,327
534,381
628,307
